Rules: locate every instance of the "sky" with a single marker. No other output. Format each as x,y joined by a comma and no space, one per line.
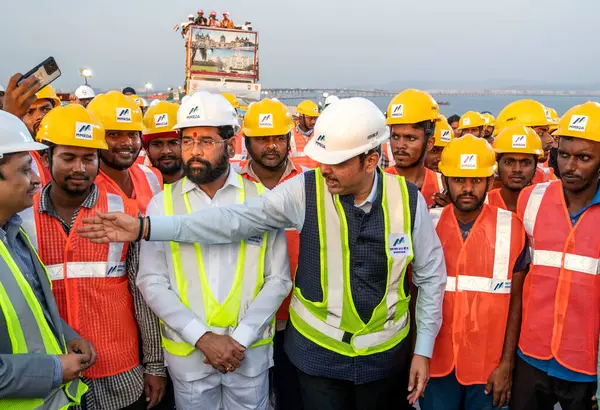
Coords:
392,44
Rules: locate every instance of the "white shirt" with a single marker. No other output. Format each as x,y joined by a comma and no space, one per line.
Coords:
220,261
285,207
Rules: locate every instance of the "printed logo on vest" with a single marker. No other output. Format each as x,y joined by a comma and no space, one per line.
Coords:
397,110
399,245
519,141
265,120
468,161
255,240
115,270
445,137
500,286
578,122
161,120
83,131
123,115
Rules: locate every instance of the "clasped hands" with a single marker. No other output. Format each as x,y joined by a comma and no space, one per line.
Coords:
221,351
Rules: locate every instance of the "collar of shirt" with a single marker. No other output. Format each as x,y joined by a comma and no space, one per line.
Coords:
10,230
232,179
372,195
47,206
307,134
290,167
595,201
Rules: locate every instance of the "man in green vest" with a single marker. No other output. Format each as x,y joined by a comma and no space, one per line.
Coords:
41,357
360,229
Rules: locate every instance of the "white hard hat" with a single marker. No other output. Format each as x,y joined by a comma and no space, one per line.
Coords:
331,99
350,127
2,90
144,102
191,16
204,109
14,136
84,91
154,102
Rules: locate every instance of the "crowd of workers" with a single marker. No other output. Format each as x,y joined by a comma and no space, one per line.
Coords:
340,258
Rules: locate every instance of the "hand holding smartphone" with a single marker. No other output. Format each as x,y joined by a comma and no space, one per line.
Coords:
46,72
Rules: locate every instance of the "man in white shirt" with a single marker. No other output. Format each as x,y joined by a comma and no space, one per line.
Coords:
217,302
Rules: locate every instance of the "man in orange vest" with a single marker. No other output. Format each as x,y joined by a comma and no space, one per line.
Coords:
443,135
558,346
227,22
122,120
486,260
412,117
267,131
307,112
94,285
518,149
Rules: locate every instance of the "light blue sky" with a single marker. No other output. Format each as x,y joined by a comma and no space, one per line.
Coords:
317,43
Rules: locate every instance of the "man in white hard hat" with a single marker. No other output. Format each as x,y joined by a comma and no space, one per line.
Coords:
41,357
217,301
359,231
84,95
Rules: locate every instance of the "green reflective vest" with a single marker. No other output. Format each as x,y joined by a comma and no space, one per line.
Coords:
332,322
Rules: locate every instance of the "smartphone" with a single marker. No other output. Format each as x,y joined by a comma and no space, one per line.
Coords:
47,71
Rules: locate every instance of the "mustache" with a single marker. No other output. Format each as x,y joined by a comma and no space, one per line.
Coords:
120,149
169,156
271,152
401,152
78,176
199,161
467,195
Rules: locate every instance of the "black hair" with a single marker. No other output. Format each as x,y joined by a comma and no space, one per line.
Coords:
4,158
453,118
428,128
129,90
362,157
226,132
535,158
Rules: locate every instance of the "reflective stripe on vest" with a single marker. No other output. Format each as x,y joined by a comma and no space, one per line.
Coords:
327,323
439,180
223,318
29,332
152,179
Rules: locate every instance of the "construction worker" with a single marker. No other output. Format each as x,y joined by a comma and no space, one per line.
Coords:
128,91
200,19
518,149
41,356
218,327
487,259
94,285
267,131
227,22
307,112
84,95
443,135
472,123
454,120
161,140
240,149
412,117
488,128
531,113
359,230
122,121
212,19
2,93
558,346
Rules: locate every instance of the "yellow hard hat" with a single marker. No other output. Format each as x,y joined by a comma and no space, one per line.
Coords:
267,118
471,119
117,112
138,101
443,132
308,108
468,156
490,121
525,112
160,118
72,125
581,121
555,118
412,106
48,93
518,139
232,100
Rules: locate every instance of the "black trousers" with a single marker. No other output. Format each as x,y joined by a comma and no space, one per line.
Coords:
284,376
533,389
332,394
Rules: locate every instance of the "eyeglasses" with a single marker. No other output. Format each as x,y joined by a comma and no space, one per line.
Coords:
205,143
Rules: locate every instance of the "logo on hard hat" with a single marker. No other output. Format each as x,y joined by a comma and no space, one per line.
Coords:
468,161
578,122
466,121
161,120
548,115
194,113
320,141
83,131
265,120
123,115
445,137
397,110
519,141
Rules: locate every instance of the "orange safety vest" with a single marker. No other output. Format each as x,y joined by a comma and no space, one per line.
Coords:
432,183
39,168
227,23
543,174
477,297
141,159
561,294
388,154
494,198
241,154
297,143
293,241
90,285
147,182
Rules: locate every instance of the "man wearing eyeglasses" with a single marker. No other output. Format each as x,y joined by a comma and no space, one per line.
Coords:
217,302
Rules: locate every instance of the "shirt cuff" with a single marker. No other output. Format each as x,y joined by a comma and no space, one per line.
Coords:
156,369
162,228
244,335
424,345
193,331
58,373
